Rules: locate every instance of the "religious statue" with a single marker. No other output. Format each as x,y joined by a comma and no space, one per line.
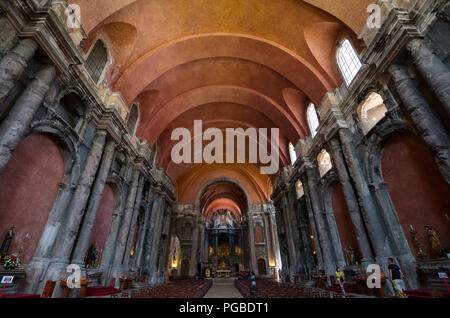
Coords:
435,242
421,255
93,257
7,241
349,254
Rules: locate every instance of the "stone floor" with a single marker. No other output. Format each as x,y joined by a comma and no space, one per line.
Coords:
223,288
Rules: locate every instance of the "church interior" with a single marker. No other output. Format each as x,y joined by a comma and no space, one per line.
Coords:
96,97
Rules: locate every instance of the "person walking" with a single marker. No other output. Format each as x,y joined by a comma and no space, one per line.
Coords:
396,276
340,277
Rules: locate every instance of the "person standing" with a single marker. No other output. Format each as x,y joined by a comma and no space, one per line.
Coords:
396,276
340,277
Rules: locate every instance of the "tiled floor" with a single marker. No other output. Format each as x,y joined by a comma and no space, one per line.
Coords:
223,288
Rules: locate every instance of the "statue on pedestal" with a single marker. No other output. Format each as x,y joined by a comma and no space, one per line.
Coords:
93,257
349,255
421,255
7,241
435,242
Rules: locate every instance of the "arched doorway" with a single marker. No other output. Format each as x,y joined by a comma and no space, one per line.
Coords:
185,267
262,267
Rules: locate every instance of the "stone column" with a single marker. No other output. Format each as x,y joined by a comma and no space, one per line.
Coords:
14,64
322,230
433,70
156,242
306,245
287,218
352,202
145,229
251,233
334,237
94,202
68,234
121,242
194,248
292,209
312,222
216,242
433,133
19,118
155,215
276,243
132,229
269,239
375,227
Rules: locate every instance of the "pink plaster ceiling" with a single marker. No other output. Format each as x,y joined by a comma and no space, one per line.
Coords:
231,63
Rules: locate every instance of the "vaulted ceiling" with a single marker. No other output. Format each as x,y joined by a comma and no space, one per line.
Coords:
230,63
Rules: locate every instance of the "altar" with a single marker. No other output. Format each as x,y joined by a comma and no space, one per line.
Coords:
223,273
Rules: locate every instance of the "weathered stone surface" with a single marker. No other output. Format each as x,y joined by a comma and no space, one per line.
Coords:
75,213
433,133
13,64
121,242
433,70
94,202
352,202
14,127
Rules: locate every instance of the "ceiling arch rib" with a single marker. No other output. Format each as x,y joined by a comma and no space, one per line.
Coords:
159,61
191,181
214,71
221,93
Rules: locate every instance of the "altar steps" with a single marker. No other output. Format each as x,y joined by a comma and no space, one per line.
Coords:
99,291
349,288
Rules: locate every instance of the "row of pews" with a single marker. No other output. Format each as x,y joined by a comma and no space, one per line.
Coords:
272,289
187,288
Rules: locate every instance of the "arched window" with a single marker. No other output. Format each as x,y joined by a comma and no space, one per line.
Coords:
133,119
324,161
96,61
292,153
371,111
313,120
348,61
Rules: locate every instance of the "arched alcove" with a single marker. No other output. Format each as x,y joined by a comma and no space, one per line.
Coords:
371,111
133,119
418,191
72,109
324,162
28,189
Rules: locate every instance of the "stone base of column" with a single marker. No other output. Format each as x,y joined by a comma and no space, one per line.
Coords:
57,271
118,272
35,271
